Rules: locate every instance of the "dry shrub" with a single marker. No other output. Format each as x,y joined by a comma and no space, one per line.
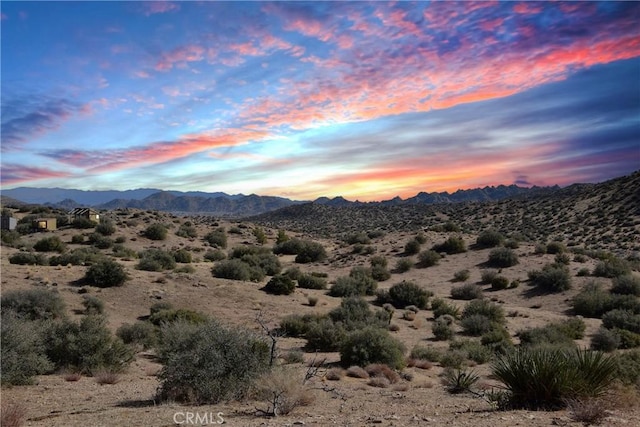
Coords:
282,391
588,411
13,415
420,364
357,372
71,376
378,370
394,327
401,387
622,396
409,315
381,382
107,377
334,374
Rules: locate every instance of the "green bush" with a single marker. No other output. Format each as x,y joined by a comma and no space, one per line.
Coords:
312,252
408,293
156,260
557,333
106,273
10,237
466,292
628,339
155,232
355,313
50,244
420,352
121,251
236,269
440,307
296,325
627,367
372,345
33,304
325,335
23,350
79,256
309,281
497,340
453,245
461,275
92,304
626,285
187,230
476,324
357,284
412,247
548,378
182,256
487,276
555,248
171,315
499,283
266,262
502,258
453,359
360,237
622,319
442,328
552,278
106,227
87,346
491,310
83,223
428,258
592,301
215,255
141,333
380,273
605,340
209,363
99,241
217,238
490,239
403,265
473,350
280,285
612,267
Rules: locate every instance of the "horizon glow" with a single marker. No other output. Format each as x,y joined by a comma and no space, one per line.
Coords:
365,100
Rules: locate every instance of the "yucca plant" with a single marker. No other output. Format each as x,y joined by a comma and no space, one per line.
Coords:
459,380
544,378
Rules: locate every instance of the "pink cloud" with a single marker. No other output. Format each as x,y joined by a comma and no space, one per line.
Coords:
180,55
15,174
154,7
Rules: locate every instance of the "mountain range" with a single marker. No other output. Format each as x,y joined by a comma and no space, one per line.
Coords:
238,205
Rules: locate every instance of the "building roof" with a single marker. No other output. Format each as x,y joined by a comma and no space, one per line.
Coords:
83,211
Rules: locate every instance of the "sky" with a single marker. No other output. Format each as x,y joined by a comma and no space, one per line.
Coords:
365,100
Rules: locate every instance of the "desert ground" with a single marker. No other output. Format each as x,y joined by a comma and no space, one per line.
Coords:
419,398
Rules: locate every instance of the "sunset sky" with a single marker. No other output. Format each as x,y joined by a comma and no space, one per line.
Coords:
367,100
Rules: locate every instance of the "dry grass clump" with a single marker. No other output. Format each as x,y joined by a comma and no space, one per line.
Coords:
357,372
420,364
13,415
107,377
380,382
378,370
589,412
71,376
282,391
334,374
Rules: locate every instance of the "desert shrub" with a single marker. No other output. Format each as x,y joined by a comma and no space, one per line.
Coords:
622,319
372,345
592,301
552,278
325,335
562,258
453,245
13,414
156,260
627,367
79,256
155,232
92,304
408,293
106,273
28,258
612,267
459,380
473,349
10,237
289,246
453,359
626,285
461,275
355,313
86,346
491,310
266,262
380,273
378,260
440,307
403,265
557,333
546,378
430,353
99,241
217,238
502,258
159,306
215,255
359,282
442,328
488,275
209,362
141,333
182,256
628,339
428,258
82,223
490,239
311,252
605,340
236,269
512,244
187,230
173,315
466,292
282,392
23,350
476,324
555,248
106,227
360,237
121,251
280,285
293,356
296,325
412,247
309,281
497,340
50,244
499,282
33,304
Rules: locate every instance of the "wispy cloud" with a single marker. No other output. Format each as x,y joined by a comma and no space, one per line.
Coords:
154,7
11,174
